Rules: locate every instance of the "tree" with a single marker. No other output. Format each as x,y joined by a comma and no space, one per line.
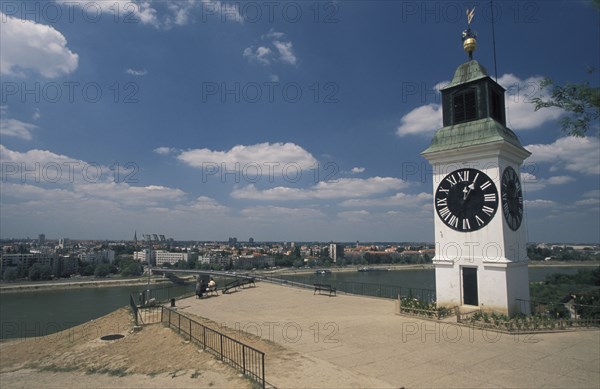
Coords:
102,270
10,274
296,253
204,266
88,269
131,269
39,272
183,265
581,101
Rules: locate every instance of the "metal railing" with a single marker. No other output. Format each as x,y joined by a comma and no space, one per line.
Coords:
465,317
560,310
164,294
359,288
134,309
250,361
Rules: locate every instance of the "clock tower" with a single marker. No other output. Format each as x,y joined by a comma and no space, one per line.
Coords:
481,255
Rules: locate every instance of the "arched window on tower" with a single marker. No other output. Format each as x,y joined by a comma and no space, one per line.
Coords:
464,105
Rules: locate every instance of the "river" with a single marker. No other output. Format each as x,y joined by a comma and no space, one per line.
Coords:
28,314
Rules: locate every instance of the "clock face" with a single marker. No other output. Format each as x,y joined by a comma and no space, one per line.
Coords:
466,200
512,198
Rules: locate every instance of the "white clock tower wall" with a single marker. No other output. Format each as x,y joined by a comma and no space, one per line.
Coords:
487,244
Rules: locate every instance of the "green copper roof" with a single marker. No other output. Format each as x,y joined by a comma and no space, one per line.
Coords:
472,133
467,72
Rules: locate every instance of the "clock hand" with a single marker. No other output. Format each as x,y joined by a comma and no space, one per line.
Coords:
465,192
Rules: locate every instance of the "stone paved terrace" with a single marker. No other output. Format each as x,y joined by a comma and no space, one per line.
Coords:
356,341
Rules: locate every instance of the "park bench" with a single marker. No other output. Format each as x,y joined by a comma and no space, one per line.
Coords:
212,290
238,283
231,285
247,281
325,288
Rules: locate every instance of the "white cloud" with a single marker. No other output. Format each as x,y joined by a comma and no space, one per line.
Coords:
274,213
162,15
274,156
440,85
357,170
531,183
261,54
272,34
353,215
569,153
137,73
14,127
45,166
520,112
34,157
180,12
559,180
588,202
165,150
140,10
592,193
29,46
41,182
539,203
36,115
286,53
342,188
205,204
424,120
274,78
399,199
128,195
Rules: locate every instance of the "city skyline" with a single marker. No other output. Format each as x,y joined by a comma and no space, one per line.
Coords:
298,121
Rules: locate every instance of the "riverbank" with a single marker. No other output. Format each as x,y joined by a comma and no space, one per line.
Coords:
399,267
85,283
349,269
564,264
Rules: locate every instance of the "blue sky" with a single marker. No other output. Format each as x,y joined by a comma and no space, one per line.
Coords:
273,120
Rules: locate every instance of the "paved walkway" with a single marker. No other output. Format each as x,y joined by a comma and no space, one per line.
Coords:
352,341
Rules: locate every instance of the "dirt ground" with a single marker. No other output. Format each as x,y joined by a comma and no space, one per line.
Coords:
77,358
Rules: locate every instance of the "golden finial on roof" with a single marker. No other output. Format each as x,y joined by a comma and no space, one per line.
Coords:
469,37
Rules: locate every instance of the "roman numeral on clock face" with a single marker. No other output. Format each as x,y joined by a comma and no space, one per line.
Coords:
489,197
444,213
451,180
479,221
489,211
466,225
463,175
453,221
